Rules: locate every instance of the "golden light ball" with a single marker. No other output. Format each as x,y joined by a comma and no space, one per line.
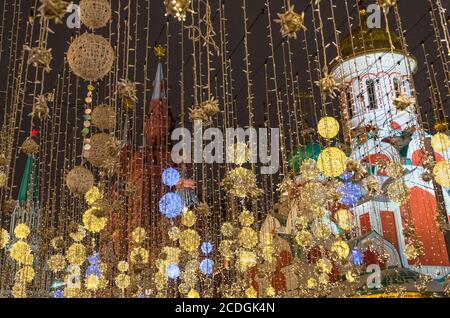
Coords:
122,266
92,282
139,235
104,117
246,260
246,218
189,240
90,56
188,218
103,148
344,218
95,13
139,255
328,127
123,281
332,162
76,254
79,180
94,194
227,229
248,237
304,239
29,146
193,294
21,252
341,249
22,231
174,233
440,142
57,263
441,173
92,223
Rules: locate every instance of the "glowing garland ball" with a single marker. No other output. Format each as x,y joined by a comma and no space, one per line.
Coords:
90,56
4,238
441,173
351,193
104,117
341,249
79,180
173,271
177,8
332,162
440,142
344,218
171,205
328,127
170,177
207,266
93,223
95,13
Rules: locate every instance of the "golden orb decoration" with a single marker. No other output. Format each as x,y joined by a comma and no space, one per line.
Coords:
122,266
248,237
441,173
341,249
246,218
95,13
57,263
21,253
138,235
29,146
22,231
93,195
188,218
92,282
90,57
344,218
332,162
398,192
227,229
139,255
92,222
76,254
189,240
177,8
103,148
440,142
328,127
123,281
104,117
79,180
193,294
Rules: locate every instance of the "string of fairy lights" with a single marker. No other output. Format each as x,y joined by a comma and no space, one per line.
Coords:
93,206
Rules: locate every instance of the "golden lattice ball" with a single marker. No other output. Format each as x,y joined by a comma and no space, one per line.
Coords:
95,13
103,147
440,142
104,117
441,173
79,180
328,127
332,162
90,56
29,146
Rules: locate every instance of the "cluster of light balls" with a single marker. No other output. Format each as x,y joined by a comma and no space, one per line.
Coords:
171,204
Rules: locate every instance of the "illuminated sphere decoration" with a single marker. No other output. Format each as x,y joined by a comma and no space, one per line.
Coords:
79,180
90,56
440,142
441,173
332,162
207,266
104,117
328,127
351,193
173,271
171,205
95,13
207,248
170,177
177,8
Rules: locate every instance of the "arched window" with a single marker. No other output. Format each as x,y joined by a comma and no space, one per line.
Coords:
397,87
370,83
